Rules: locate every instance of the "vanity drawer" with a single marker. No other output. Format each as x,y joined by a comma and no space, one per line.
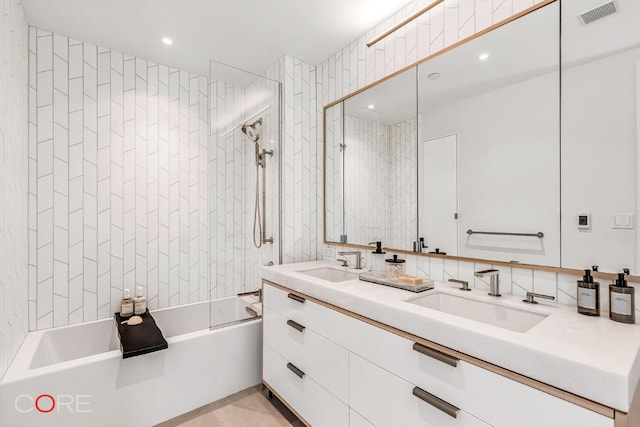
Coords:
389,401
324,361
325,321
491,397
315,404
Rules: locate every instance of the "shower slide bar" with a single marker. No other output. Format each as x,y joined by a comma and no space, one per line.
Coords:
539,234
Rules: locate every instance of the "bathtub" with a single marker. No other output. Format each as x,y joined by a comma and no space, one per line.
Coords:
75,375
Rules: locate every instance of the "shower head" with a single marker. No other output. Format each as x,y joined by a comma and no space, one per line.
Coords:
251,130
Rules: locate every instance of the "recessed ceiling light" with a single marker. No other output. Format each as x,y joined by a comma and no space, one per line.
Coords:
167,41
483,56
371,107
434,76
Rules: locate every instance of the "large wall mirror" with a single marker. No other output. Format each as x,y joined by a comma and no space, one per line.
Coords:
499,148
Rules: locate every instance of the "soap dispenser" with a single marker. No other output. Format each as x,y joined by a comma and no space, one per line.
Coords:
622,305
376,262
588,295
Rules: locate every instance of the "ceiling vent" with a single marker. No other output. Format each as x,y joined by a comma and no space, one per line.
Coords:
598,12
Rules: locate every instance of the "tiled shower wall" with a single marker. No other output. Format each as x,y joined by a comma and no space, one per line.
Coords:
13,179
302,215
356,66
235,261
119,181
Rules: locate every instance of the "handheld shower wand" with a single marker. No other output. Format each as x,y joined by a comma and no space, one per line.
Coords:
259,218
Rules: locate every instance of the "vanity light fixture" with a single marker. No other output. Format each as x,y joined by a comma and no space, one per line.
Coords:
404,22
483,56
167,41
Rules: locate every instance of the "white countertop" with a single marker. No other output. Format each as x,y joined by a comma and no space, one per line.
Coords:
592,357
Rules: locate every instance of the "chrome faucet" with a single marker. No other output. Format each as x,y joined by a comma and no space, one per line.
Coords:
494,284
358,255
532,295
464,283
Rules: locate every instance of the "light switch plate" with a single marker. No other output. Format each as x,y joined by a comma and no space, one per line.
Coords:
625,221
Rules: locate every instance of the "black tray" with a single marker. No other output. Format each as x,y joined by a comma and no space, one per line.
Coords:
140,339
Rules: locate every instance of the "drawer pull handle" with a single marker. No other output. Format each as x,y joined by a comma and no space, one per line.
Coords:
296,298
251,311
438,355
295,370
436,402
295,325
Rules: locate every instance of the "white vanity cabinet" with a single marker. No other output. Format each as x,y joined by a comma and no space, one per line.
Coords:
307,370
365,374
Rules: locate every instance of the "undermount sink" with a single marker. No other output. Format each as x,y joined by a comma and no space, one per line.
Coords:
481,311
330,274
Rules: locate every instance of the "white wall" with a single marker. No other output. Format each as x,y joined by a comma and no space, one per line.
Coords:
14,179
600,138
120,166
508,169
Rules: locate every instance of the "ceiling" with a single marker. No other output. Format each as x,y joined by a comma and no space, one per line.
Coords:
248,34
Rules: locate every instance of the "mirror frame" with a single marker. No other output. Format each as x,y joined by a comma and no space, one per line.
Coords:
570,271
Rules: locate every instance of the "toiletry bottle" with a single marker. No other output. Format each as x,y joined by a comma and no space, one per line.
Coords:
622,305
126,307
139,302
588,295
376,261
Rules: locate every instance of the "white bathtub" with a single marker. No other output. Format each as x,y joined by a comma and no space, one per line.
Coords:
81,369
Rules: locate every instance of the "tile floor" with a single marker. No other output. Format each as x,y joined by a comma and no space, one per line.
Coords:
248,408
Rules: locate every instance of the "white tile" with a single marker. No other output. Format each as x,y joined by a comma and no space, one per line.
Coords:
45,298
61,143
60,278
45,263
45,158
60,310
75,61
45,228
60,176
75,295
45,123
45,193
104,68
45,88
484,14
60,211
76,227
522,280
76,95
90,113
567,289
503,11
61,47
76,194
61,75
90,306
76,131
45,53
90,274
90,213
61,245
